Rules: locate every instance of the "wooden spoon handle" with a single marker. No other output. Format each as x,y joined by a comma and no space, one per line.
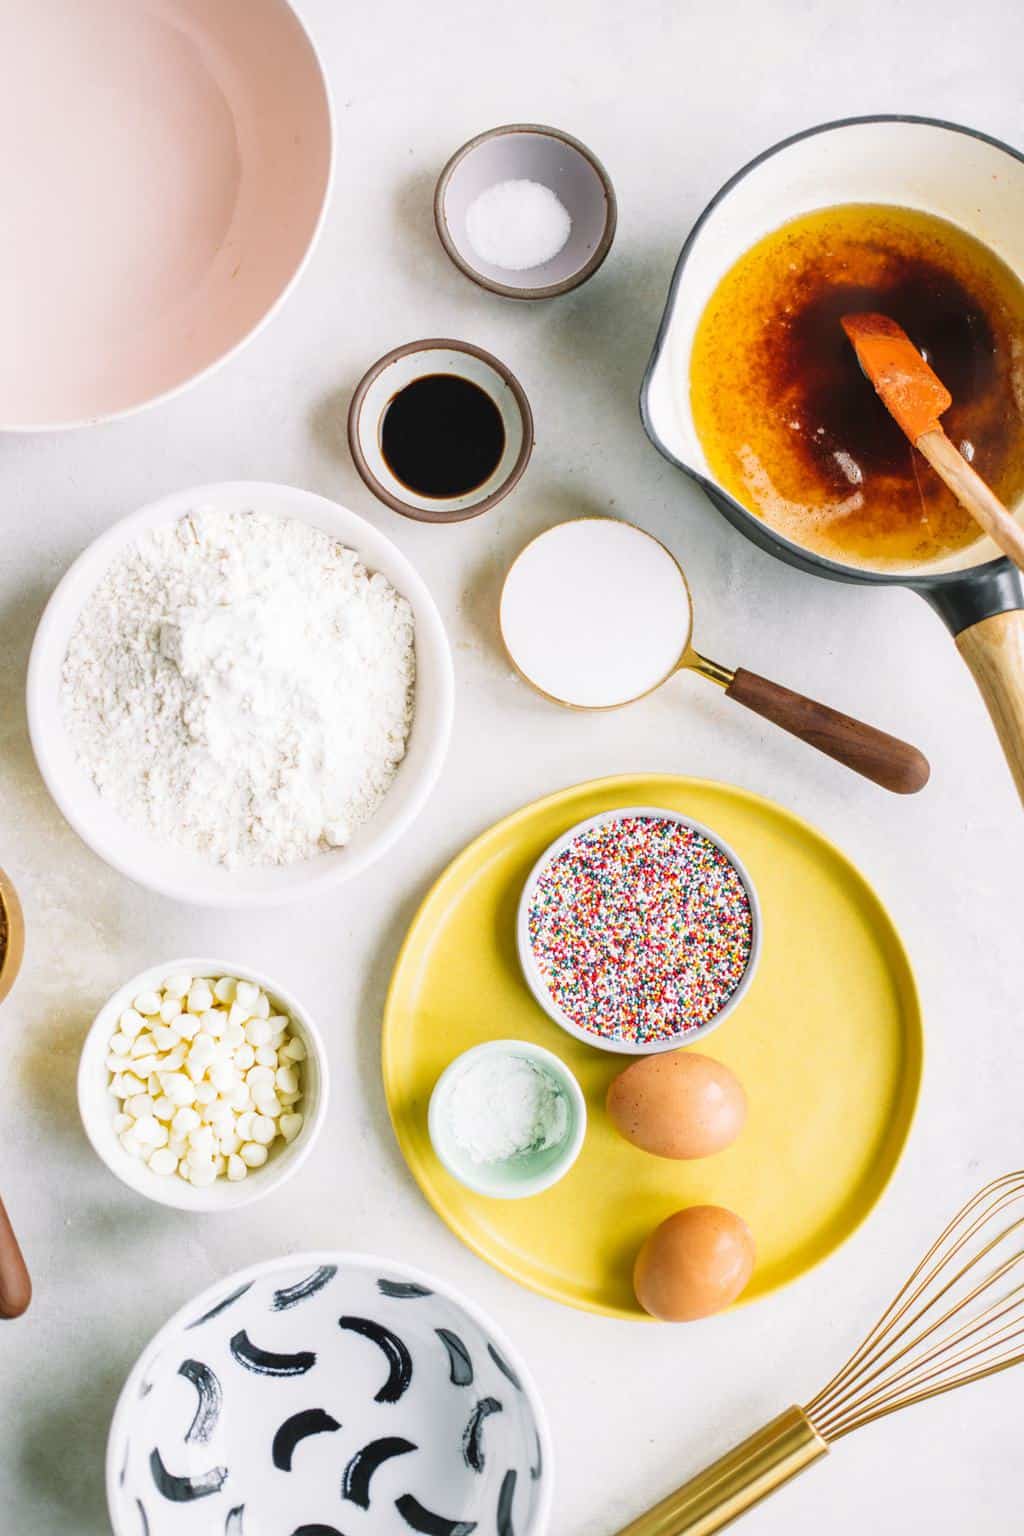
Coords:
994,651
15,1285
972,492
886,760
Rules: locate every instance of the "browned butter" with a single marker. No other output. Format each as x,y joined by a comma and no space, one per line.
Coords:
792,428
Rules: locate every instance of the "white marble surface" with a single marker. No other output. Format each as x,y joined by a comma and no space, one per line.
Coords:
673,97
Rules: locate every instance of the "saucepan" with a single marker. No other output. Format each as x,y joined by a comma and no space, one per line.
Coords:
961,175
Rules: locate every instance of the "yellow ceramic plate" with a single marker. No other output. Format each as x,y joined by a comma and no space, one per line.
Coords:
827,1044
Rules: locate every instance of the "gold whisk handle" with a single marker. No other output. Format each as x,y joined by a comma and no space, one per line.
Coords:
737,1481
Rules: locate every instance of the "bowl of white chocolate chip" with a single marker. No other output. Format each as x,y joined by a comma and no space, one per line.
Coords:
202,1085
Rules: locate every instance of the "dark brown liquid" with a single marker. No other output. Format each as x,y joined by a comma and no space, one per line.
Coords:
442,436
795,431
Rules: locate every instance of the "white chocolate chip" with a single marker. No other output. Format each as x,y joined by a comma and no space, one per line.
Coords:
208,1075
200,998
224,990
287,1079
263,1130
247,995
131,1022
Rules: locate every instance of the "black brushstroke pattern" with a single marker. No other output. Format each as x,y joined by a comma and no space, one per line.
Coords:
233,1523
124,1465
316,1530
210,1400
222,1306
145,1388
505,1497
182,1490
355,1484
459,1363
425,1521
311,1421
402,1290
538,1466
265,1362
143,1517
397,1355
472,1435
293,1294
504,1367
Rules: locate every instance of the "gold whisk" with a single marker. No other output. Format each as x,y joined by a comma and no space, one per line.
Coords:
959,1317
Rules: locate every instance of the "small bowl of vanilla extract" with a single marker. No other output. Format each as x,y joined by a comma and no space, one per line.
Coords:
440,430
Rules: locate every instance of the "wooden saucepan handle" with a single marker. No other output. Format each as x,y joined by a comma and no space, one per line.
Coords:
15,1285
994,651
886,760
972,492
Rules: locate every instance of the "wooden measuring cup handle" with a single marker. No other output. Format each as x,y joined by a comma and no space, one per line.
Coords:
994,651
15,1285
886,760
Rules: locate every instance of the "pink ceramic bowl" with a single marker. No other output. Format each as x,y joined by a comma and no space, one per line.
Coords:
168,168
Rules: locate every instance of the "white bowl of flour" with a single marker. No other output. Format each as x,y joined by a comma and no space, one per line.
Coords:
240,694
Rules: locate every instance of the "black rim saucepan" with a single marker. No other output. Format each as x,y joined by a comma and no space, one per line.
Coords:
981,604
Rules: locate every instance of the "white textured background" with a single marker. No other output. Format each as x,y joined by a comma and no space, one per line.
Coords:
673,97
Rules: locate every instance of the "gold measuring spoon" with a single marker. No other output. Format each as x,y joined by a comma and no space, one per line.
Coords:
596,613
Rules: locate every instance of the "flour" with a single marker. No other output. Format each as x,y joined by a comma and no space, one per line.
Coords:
240,685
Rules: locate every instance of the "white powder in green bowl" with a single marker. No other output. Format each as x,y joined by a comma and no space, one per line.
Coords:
503,1107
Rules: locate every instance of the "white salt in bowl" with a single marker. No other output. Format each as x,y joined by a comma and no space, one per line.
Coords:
528,152
175,871
519,1176
97,1105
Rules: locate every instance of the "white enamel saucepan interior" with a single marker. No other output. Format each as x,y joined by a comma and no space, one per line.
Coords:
962,176
166,168
175,871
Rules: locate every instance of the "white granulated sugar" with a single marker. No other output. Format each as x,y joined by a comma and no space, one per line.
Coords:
241,685
517,224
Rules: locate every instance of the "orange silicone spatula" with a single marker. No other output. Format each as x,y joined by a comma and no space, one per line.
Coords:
915,397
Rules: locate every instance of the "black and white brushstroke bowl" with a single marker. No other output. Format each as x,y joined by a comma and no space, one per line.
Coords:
329,1394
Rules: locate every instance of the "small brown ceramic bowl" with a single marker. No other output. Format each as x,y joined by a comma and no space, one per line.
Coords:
12,935
424,359
529,152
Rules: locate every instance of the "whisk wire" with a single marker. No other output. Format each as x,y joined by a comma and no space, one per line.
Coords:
911,1354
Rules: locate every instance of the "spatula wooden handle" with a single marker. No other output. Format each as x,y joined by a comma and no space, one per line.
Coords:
994,651
15,1285
972,492
886,760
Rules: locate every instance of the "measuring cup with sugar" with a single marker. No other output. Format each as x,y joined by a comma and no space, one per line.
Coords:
596,613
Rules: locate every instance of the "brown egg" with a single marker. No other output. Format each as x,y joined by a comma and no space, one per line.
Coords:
695,1263
678,1105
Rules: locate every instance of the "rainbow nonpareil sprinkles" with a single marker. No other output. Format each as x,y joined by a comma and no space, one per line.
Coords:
641,929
